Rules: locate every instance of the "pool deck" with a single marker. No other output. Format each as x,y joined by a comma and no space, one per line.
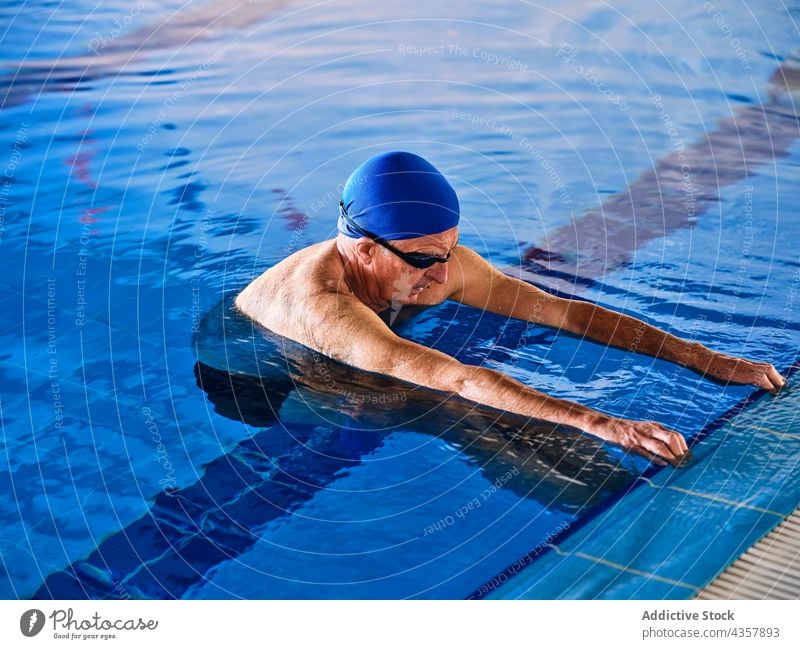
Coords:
680,534
770,569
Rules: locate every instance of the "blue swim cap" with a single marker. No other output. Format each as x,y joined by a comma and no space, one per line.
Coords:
398,195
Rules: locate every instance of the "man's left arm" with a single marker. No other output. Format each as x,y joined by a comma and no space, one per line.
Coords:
632,334
481,285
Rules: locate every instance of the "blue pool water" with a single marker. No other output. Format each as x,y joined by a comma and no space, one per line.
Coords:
155,444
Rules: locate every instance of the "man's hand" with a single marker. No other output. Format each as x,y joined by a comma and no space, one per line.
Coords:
731,369
648,438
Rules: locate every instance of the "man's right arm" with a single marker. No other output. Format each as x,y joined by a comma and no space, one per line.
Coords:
355,335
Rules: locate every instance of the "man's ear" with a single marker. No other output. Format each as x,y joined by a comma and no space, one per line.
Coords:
365,251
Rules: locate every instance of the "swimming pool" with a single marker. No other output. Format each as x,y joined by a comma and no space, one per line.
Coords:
155,445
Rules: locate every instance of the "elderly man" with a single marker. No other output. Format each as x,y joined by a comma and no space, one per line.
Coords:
398,245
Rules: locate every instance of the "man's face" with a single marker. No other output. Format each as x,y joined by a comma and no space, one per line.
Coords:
400,282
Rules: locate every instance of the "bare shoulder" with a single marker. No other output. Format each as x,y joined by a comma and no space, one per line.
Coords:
304,298
466,256
293,279
468,270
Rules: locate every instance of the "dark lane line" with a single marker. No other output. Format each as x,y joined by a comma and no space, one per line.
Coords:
684,185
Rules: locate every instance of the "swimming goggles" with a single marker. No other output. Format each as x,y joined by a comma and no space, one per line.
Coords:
415,259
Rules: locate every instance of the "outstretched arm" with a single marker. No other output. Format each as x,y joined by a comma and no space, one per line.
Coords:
482,285
356,336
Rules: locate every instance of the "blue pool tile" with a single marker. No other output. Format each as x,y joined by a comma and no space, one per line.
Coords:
54,527
379,546
147,310
14,377
196,499
82,434
207,522
167,577
60,401
736,489
65,585
94,578
32,274
31,551
264,503
73,483
751,460
676,536
127,550
206,538
227,532
556,576
7,588
753,468
61,351
673,519
226,475
202,552
179,510
14,302
117,557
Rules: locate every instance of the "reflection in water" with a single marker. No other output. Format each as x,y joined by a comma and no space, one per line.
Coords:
319,420
251,376
108,59
670,197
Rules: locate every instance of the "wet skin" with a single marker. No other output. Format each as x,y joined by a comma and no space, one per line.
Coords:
328,297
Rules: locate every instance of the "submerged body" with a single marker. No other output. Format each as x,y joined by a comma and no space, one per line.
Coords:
330,297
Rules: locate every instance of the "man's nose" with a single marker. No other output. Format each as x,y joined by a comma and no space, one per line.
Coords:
438,273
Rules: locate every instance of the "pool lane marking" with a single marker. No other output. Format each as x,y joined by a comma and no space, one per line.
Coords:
625,222
766,430
621,568
719,499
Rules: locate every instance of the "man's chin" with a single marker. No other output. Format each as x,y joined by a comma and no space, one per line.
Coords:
410,297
